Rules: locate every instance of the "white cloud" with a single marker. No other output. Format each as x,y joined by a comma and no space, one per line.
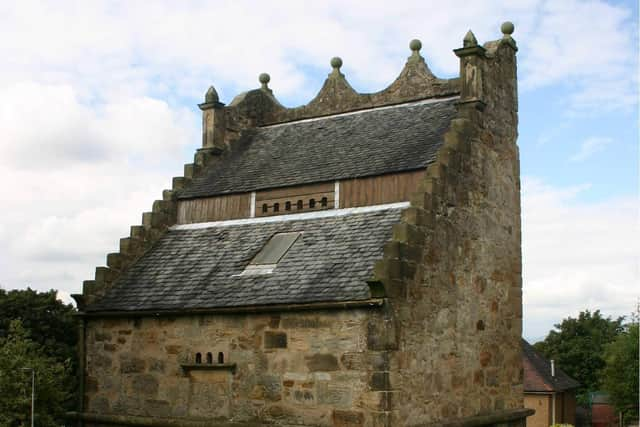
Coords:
586,46
44,125
178,48
589,147
75,177
577,255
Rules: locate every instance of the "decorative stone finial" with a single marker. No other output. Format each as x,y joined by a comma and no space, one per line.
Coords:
211,97
469,40
507,28
415,45
336,62
264,79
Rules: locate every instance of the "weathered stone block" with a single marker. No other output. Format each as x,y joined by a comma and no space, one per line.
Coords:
99,361
275,339
101,335
380,381
407,233
130,364
342,418
322,362
178,183
144,385
114,261
104,275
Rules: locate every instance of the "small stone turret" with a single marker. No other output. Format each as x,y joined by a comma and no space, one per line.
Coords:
213,122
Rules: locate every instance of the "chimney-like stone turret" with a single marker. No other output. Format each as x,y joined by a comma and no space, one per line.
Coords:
213,122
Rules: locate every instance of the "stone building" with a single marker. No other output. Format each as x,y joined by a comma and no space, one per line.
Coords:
354,261
548,390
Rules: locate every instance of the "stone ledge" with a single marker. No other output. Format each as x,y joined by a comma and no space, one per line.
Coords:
129,420
495,418
208,367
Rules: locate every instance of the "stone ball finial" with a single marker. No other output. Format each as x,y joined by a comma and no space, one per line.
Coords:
211,96
264,78
507,28
415,45
336,62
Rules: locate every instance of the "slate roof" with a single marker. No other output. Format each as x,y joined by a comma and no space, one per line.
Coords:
196,267
537,373
372,142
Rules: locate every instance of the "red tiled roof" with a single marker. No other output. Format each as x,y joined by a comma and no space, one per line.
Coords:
537,373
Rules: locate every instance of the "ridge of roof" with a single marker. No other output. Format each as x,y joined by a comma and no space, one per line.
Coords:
292,217
433,100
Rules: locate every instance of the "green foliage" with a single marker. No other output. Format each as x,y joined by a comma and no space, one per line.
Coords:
620,375
578,348
49,322
17,352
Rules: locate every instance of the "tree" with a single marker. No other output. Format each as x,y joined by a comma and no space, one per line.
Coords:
17,352
620,375
48,321
578,348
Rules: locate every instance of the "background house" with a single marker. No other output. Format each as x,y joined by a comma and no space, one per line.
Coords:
548,390
603,414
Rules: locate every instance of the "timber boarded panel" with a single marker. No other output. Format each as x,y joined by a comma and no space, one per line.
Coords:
377,190
219,208
297,191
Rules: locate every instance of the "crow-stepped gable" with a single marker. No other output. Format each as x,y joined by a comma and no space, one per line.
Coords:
355,261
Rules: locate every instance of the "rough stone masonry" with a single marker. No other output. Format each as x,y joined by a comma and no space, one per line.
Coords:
402,311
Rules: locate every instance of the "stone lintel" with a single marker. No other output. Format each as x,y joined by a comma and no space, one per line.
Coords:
208,367
510,416
209,105
215,150
143,421
469,51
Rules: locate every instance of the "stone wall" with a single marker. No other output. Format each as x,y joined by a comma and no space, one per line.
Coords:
293,368
453,269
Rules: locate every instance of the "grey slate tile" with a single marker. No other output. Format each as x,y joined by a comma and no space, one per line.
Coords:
194,269
368,143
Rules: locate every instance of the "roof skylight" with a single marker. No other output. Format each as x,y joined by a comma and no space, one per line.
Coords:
267,259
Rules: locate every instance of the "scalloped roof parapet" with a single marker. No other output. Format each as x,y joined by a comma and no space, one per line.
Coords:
415,82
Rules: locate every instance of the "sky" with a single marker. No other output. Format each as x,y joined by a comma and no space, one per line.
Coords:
98,111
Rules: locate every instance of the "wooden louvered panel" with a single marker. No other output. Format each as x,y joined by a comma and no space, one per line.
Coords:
301,191
217,208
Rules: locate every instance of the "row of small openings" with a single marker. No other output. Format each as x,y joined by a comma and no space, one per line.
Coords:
209,358
299,205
